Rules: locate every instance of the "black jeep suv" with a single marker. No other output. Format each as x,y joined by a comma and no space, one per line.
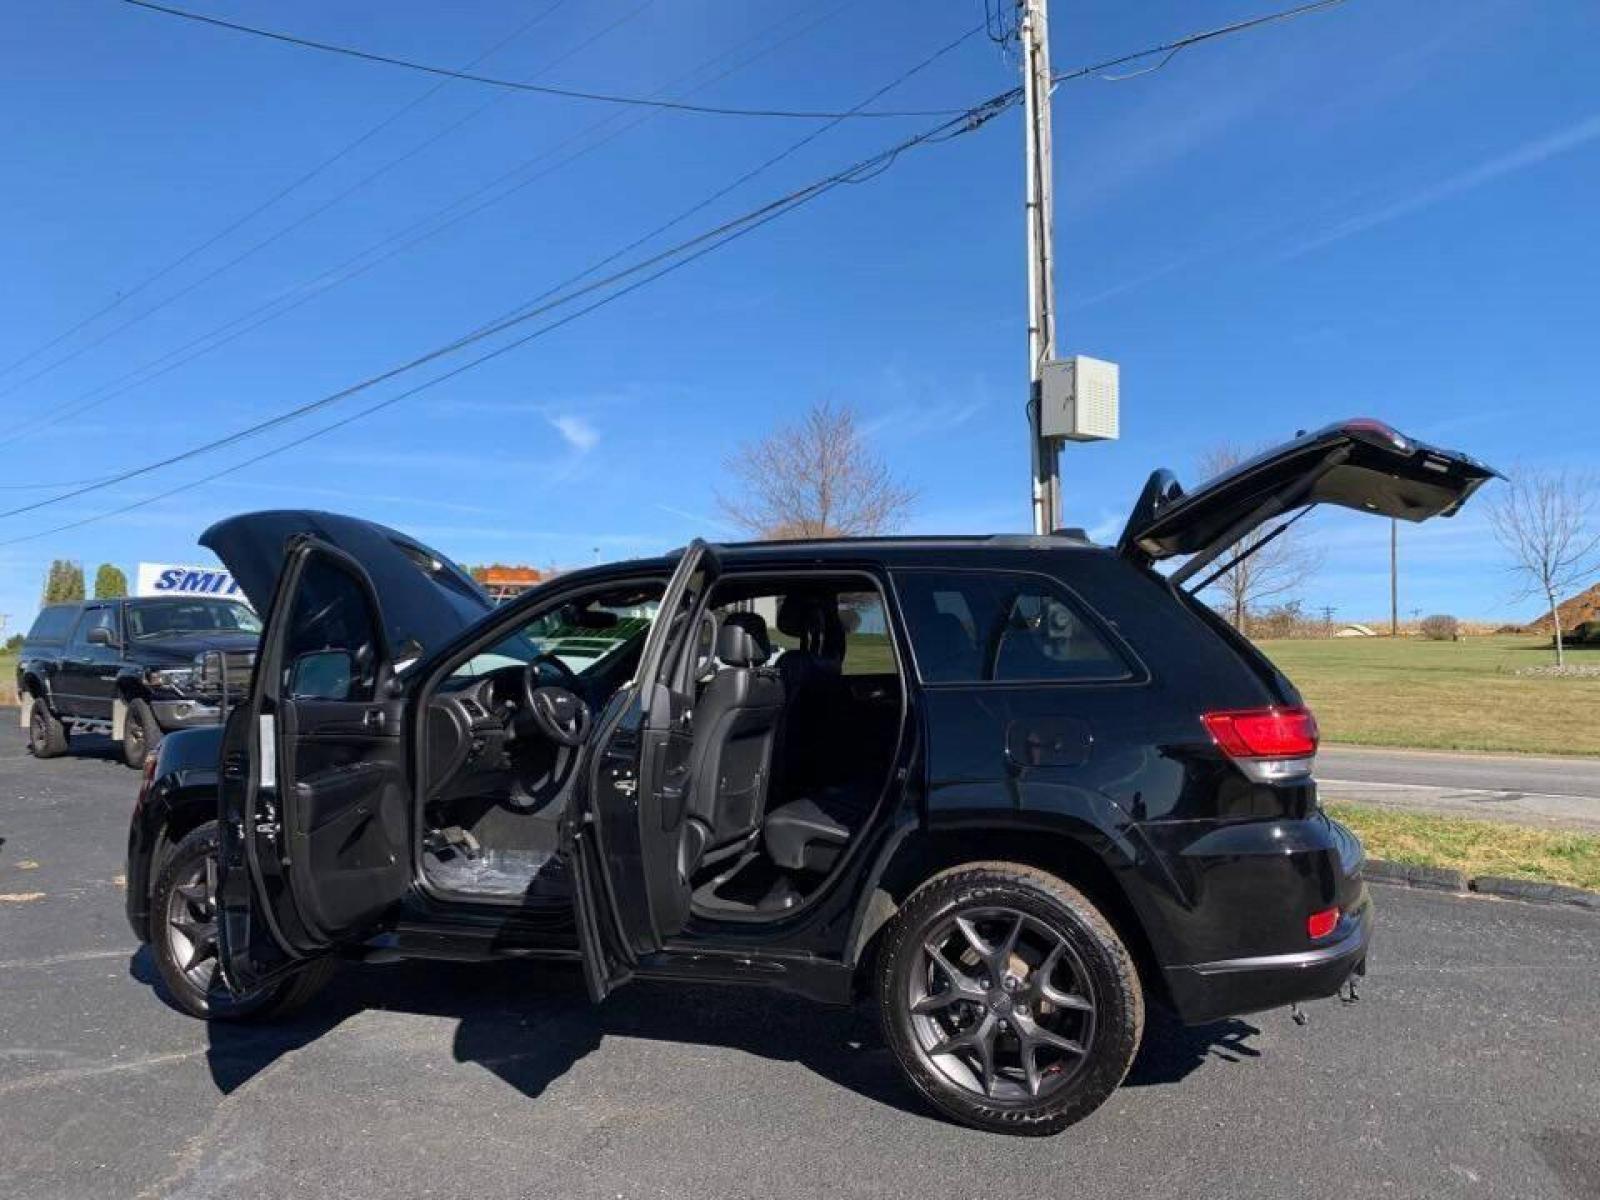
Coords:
1014,787
133,668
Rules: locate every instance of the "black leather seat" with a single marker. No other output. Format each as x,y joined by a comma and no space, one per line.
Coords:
730,763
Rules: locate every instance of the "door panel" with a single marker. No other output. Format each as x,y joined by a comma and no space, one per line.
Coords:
622,834
316,801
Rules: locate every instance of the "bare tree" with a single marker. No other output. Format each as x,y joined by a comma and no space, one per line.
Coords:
1549,523
1271,571
816,478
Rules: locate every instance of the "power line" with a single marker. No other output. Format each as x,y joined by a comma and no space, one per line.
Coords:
1171,49
127,382
868,168
306,218
126,294
524,86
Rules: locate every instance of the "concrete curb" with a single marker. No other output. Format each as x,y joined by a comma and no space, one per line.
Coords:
1439,879
1535,891
1442,879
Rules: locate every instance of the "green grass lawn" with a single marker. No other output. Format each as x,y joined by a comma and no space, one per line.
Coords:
1443,695
8,678
1475,847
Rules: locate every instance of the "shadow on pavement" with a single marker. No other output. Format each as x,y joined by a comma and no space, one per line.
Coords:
1172,1050
529,1024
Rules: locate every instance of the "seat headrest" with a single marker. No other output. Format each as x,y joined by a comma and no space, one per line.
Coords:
755,625
736,648
797,614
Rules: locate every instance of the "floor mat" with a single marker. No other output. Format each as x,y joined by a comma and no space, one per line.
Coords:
499,872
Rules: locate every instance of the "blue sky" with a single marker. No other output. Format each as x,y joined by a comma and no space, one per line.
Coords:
1386,209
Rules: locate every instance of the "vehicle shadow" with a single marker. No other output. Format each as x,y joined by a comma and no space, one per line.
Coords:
529,1024
1172,1051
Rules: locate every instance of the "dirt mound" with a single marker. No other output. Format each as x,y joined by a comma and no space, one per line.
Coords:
1585,606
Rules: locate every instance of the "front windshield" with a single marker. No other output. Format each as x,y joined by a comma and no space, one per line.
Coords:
167,618
581,634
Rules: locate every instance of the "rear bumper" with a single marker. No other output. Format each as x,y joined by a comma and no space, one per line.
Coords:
1209,991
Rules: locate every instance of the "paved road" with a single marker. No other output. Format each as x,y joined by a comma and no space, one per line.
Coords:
1470,1069
1542,791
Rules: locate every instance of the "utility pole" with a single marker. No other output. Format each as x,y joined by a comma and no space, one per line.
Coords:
1394,577
1040,210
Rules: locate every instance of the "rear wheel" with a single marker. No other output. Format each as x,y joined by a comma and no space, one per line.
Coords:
184,940
1008,998
141,734
47,736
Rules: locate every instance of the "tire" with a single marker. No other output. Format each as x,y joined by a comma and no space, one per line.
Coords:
141,735
1068,999
47,736
183,942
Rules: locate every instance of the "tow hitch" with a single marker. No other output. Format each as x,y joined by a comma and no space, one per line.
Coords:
1347,993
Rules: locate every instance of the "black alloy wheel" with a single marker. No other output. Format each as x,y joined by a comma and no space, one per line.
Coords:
1009,999
183,928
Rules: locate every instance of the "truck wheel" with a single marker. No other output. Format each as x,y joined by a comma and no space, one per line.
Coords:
1008,998
47,737
141,735
183,927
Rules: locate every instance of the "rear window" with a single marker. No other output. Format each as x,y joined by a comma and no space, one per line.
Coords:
1001,627
53,624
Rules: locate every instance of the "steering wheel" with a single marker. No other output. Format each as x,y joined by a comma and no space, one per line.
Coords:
558,712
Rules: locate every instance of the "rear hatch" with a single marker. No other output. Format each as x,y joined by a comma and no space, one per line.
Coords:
1361,464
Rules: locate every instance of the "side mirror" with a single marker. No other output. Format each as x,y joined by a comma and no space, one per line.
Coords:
321,675
100,636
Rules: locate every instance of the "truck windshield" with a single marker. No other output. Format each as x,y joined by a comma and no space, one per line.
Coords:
168,617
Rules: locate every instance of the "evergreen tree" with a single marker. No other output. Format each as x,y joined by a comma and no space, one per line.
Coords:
64,583
110,583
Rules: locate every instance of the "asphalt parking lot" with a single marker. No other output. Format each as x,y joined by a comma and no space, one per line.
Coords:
1471,1067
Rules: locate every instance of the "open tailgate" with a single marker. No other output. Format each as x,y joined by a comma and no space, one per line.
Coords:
1361,464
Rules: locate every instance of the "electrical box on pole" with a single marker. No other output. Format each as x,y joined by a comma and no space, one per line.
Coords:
1080,399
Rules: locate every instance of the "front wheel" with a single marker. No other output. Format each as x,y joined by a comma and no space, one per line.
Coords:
141,733
1008,998
183,929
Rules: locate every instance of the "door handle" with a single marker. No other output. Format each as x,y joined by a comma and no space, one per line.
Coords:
372,719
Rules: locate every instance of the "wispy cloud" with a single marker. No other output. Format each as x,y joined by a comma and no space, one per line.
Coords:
1529,154
576,431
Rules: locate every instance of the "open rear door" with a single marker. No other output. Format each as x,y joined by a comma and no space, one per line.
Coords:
314,803
621,834
1360,464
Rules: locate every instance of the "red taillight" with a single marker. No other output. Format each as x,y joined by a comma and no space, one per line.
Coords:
1321,924
1264,732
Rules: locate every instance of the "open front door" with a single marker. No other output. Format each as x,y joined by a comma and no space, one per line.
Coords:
622,832
314,805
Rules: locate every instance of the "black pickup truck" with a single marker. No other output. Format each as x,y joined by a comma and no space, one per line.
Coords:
132,668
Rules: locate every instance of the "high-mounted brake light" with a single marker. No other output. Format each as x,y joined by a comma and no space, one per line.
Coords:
1321,924
1269,744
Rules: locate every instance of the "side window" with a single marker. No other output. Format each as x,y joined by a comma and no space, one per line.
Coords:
838,625
867,650
53,624
992,626
330,651
95,618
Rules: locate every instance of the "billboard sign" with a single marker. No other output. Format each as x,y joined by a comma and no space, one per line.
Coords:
176,579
